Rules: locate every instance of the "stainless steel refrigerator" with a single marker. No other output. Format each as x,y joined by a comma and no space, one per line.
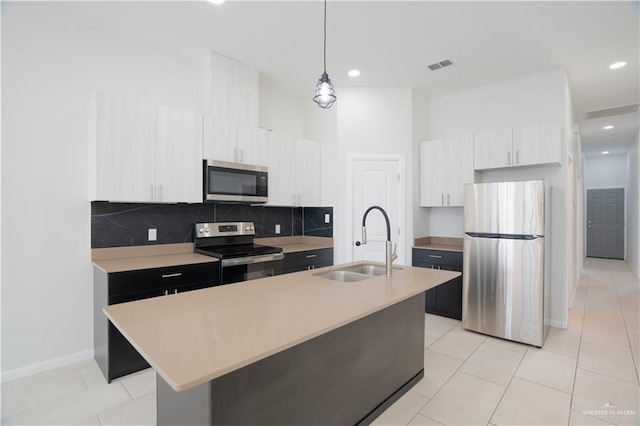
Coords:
504,270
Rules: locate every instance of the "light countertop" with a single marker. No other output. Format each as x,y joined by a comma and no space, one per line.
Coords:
439,243
297,243
120,259
193,337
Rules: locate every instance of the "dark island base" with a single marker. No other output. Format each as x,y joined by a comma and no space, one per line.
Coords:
347,376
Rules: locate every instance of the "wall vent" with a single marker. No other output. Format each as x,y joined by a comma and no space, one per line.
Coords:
440,64
610,112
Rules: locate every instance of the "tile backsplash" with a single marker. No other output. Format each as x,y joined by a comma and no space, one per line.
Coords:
127,224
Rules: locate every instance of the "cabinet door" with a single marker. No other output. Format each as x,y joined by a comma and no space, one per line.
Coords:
219,140
125,149
537,144
178,156
307,166
280,160
252,145
458,166
432,173
493,149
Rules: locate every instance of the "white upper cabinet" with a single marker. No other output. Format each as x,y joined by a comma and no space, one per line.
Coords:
493,149
123,149
538,144
237,143
178,156
294,171
228,90
528,145
142,152
308,164
446,165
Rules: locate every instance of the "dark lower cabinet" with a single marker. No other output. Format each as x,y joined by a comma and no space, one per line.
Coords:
305,260
445,299
113,352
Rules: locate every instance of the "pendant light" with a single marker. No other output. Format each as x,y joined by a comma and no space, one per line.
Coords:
324,94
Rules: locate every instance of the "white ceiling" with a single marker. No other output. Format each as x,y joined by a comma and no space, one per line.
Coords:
392,42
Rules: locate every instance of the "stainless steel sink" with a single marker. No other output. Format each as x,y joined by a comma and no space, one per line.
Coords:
354,273
343,275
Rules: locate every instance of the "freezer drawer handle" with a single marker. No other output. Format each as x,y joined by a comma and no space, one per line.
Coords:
310,256
435,256
176,274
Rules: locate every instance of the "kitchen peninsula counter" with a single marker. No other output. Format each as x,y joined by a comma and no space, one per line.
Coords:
198,339
134,258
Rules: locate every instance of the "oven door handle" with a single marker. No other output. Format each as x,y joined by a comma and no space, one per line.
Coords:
252,259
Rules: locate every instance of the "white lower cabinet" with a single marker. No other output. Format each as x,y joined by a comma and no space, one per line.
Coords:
294,171
527,145
143,152
446,165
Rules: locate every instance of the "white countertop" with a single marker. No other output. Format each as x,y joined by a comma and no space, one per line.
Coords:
193,337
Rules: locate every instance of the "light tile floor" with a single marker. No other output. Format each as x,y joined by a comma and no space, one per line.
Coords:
586,375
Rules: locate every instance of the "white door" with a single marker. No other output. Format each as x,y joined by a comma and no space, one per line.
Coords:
376,183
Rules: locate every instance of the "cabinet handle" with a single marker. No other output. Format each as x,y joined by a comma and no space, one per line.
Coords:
310,256
294,199
151,192
175,274
235,155
517,159
448,200
435,256
166,292
175,291
299,199
159,193
509,158
241,155
442,199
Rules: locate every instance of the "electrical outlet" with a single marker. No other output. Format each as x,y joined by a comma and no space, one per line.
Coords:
153,234
327,218
277,229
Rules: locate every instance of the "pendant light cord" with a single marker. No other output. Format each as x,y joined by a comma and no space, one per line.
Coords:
325,36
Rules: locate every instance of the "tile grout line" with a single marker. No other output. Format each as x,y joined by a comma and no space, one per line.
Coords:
508,384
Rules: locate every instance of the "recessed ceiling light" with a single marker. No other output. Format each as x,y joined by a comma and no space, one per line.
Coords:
605,152
216,1
354,73
608,127
617,65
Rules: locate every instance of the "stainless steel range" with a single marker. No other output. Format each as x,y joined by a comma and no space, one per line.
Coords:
240,258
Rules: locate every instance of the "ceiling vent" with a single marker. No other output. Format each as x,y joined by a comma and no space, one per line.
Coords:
610,112
440,64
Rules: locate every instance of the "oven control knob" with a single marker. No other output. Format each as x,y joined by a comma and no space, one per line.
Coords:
252,228
200,230
247,228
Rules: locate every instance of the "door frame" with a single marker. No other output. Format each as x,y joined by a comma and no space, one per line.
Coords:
402,200
586,214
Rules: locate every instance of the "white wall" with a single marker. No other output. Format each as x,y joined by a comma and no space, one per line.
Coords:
606,171
420,132
633,209
50,66
531,99
371,121
280,111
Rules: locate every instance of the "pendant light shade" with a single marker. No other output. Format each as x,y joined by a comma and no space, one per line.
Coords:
325,95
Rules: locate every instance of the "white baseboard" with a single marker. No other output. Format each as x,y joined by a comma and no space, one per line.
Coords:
39,367
559,324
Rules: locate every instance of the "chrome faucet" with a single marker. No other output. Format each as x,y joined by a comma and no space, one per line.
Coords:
390,255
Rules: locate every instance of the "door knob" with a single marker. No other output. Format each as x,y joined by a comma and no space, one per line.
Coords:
358,243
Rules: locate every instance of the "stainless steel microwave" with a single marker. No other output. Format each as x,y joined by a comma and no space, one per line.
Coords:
235,182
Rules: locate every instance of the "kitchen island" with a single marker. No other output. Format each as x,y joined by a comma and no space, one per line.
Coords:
290,349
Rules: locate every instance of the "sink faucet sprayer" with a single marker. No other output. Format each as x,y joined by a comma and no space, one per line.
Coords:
390,255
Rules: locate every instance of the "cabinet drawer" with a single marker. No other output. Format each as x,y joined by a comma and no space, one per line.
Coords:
421,257
299,259
149,280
